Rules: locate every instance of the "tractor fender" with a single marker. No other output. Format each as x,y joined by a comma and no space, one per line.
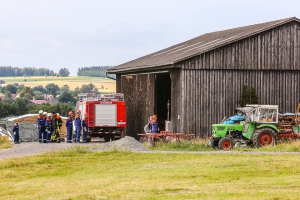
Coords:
272,126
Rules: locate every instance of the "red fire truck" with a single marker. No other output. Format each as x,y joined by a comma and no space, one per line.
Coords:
106,115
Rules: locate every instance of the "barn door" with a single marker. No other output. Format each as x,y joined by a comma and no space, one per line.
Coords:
162,97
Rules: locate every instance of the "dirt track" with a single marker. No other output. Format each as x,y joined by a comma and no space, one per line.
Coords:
33,148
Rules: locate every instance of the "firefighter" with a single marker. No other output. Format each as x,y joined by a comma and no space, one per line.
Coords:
15,130
77,123
84,130
41,125
78,112
154,124
44,133
56,125
49,127
69,126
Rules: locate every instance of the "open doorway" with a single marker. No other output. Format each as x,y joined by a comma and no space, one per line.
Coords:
162,97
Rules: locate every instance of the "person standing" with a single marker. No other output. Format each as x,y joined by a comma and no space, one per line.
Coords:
69,126
84,130
41,126
45,125
49,127
40,117
15,130
77,123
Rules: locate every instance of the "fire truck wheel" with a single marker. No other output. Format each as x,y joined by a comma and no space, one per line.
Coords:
106,138
112,137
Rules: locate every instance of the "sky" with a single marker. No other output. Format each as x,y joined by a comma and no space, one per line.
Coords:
71,34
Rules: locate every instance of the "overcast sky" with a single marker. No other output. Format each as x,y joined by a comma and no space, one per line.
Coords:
71,34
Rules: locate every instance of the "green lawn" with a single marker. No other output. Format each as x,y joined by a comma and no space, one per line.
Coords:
5,144
81,174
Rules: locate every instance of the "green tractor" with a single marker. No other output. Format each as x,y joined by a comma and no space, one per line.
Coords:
259,128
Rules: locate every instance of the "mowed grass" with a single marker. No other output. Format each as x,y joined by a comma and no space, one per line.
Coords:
72,81
5,144
287,145
81,174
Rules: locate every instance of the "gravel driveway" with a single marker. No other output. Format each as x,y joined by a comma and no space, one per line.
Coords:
33,148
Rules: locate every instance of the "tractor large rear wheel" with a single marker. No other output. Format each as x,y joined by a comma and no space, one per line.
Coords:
225,143
264,137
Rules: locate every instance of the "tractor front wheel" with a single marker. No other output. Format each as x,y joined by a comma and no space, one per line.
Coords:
225,143
214,143
264,137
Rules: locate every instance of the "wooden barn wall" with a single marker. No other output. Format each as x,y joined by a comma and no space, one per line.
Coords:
176,99
139,97
212,94
213,81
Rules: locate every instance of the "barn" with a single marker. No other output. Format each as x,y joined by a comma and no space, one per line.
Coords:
202,79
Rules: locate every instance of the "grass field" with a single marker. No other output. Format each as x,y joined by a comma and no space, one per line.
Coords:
81,174
5,144
72,81
288,145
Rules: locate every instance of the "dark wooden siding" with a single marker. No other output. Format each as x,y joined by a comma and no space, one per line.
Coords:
213,81
139,98
209,95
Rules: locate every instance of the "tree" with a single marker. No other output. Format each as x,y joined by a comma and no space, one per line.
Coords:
20,106
27,93
64,88
52,88
88,88
7,95
20,88
67,97
41,89
11,88
63,72
248,96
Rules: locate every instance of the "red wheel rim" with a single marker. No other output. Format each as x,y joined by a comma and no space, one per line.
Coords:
265,139
226,144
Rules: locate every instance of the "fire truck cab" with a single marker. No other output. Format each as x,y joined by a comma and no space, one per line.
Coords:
106,115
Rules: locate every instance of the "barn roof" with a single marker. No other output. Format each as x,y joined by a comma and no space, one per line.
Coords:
196,46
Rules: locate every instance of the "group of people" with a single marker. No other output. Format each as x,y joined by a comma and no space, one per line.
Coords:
49,125
80,123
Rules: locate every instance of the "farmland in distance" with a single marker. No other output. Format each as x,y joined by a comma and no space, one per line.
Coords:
109,85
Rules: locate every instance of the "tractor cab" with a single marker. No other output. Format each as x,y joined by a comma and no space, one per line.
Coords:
263,114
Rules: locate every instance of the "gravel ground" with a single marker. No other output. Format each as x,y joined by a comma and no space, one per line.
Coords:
124,144
33,148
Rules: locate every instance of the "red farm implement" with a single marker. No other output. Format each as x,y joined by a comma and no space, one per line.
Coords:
164,136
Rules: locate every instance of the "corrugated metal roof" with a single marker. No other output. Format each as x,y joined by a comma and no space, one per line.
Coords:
198,45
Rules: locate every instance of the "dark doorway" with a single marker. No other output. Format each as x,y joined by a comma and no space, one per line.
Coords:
162,97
